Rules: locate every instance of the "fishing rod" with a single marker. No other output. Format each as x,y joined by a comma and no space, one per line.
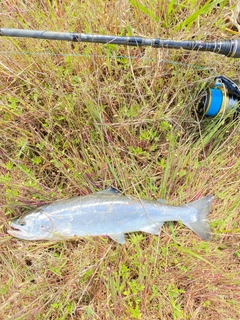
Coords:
228,48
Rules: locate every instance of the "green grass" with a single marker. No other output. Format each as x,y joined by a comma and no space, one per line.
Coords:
101,115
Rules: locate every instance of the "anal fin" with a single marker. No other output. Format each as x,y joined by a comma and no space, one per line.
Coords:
118,237
153,229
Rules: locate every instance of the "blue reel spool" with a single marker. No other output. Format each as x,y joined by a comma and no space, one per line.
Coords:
223,96
215,102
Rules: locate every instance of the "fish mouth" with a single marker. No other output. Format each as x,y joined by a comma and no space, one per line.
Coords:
15,230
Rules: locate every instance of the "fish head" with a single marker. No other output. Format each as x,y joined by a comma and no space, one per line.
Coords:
34,225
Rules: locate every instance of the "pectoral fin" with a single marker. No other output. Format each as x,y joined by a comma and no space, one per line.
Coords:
118,237
153,229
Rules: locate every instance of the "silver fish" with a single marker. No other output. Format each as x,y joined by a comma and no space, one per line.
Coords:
108,213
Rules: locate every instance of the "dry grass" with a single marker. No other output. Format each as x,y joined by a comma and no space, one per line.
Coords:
77,118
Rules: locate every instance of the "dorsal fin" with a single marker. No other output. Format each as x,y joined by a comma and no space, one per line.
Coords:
161,200
110,191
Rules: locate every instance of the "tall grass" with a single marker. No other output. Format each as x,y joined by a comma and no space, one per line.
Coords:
76,119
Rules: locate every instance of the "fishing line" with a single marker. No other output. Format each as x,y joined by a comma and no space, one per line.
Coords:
30,53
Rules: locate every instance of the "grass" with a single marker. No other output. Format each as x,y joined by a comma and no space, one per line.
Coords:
78,118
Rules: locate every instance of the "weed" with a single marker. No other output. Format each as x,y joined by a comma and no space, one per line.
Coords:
77,118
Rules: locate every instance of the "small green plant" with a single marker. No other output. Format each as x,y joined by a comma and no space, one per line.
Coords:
76,118
174,295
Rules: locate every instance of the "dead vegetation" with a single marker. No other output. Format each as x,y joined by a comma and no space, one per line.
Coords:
78,118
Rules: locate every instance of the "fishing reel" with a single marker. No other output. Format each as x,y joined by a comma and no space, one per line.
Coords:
216,101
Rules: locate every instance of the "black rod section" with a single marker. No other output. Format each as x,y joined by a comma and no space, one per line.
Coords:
228,48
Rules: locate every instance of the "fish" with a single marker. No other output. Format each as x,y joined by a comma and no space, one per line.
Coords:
108,213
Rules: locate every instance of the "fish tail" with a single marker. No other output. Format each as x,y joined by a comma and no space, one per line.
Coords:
199,223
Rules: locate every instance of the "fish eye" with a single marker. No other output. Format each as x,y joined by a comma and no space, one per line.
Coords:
22,223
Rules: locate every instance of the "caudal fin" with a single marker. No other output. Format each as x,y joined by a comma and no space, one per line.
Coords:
199,223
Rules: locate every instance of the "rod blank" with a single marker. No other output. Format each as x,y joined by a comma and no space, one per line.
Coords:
228,48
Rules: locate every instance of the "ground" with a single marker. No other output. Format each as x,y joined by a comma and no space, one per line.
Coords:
78,118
